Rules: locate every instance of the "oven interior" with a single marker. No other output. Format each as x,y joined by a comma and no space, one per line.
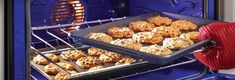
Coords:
52,20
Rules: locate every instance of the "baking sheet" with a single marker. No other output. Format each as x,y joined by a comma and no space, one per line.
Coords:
80,71
79,37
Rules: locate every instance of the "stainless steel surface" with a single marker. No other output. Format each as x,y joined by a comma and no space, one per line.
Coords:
219,10
225,10
205,9
2,38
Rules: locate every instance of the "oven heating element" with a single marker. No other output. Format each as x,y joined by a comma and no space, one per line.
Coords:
64,10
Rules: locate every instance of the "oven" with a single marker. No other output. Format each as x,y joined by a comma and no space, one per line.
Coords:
42,26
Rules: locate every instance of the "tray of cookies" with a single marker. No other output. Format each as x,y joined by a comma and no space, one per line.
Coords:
67,63
158,37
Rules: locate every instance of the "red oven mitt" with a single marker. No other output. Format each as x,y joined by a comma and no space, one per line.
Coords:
222,55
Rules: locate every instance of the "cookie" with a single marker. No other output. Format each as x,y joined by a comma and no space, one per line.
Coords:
194,36
156,50
120,32
53,57
141,26
110,57
72,54
88,62
125,60
100,37
95,68
127,43
184,25
51,69
177,43
71,71
42,61
63,76
166,31
147,37
95,51
158,20
66,66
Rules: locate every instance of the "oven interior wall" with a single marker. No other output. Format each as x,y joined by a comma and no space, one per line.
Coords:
103,9
106,9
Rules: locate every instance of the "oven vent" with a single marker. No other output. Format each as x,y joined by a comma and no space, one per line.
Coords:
67,11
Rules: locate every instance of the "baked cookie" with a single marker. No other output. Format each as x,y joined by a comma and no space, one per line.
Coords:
95,68
166,31
66,66
177,43
53,57
194,36
95,51
88,62
51,69
147,37
100,37
110,57
158,20
128,43
72,54
71,71
156,50
141,26
125,60
42,61
63,76
184,25
120,32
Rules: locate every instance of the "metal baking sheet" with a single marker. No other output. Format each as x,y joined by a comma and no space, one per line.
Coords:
80,71
79,37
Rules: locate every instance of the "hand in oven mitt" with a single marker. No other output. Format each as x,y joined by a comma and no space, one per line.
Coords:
222,55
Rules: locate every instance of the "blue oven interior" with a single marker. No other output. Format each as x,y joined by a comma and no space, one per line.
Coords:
103,9
42,14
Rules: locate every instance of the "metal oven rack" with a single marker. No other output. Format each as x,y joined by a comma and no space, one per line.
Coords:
69,43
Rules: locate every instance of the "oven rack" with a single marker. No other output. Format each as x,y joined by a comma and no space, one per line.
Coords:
77,23
71,47
33,77
57,51
62,26
189,77
79,74
69,43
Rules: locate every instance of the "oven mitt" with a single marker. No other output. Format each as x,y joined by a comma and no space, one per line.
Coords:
222,55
